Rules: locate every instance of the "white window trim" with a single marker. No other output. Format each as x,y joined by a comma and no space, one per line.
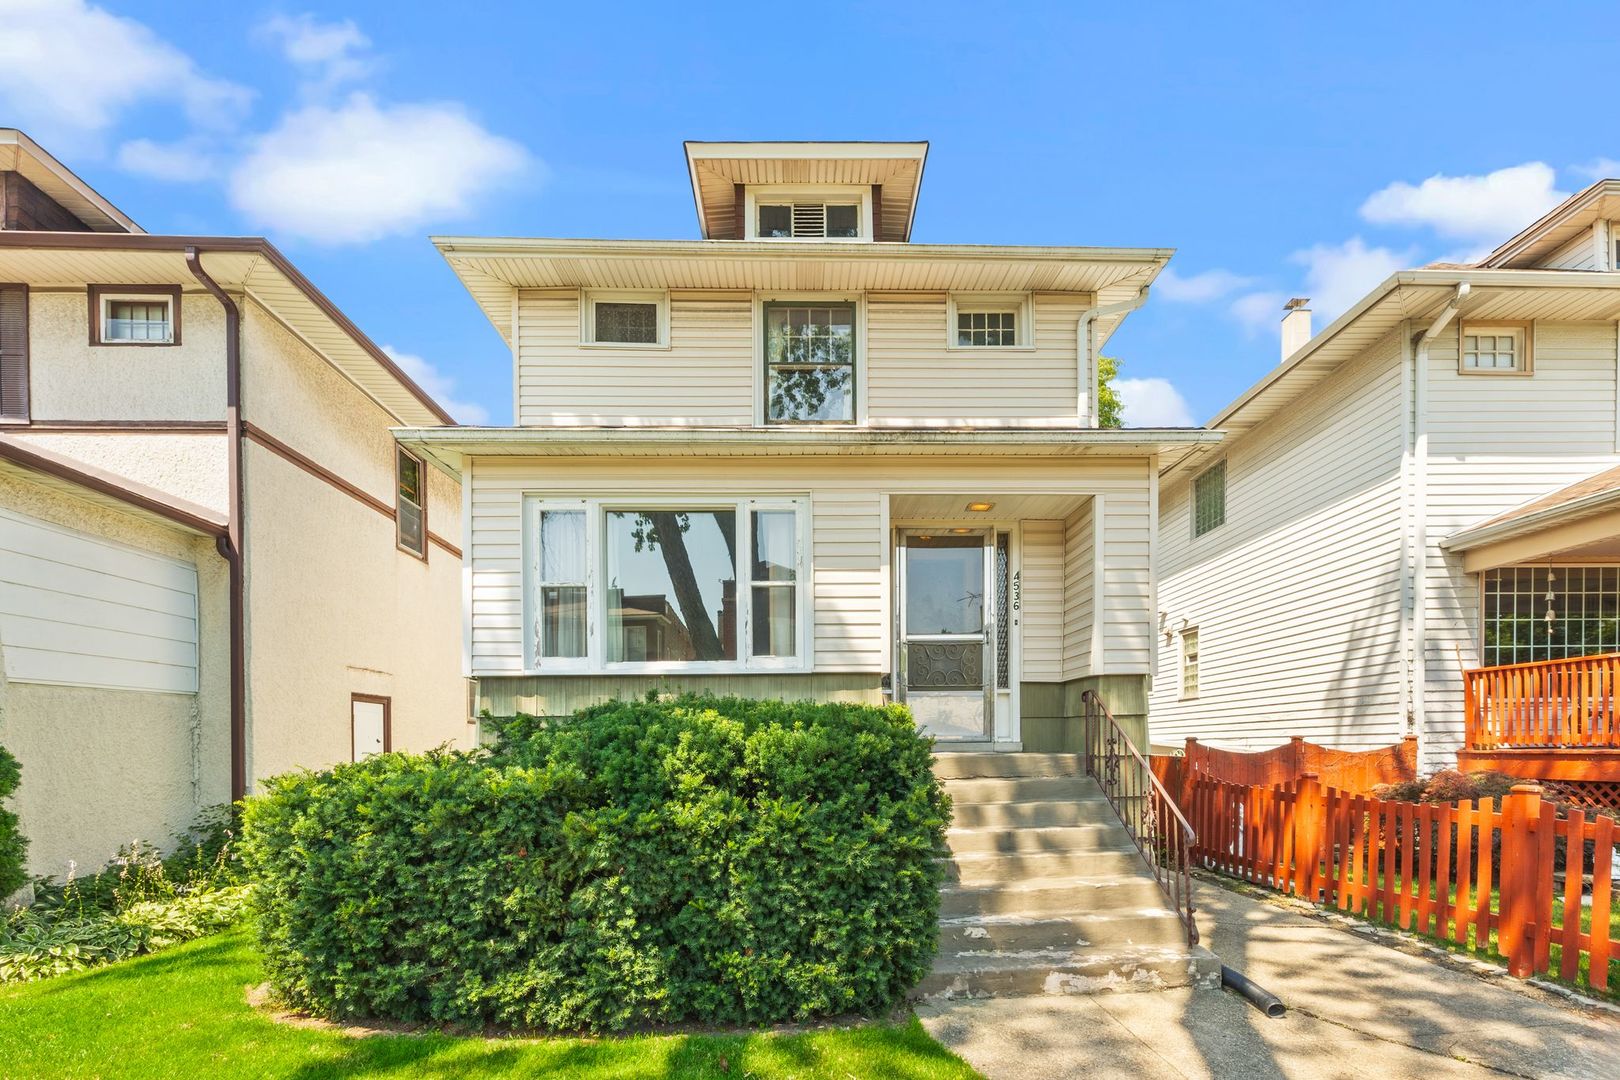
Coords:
768,194
589,298
1021,304
594,662
104,316
761,299
1525,330
1181,666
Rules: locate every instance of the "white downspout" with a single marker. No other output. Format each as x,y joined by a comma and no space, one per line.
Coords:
1086,356
1420,484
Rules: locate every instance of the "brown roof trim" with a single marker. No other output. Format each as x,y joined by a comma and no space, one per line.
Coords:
179,511
123,427
257,245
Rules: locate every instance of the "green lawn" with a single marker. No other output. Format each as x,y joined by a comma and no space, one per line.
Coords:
182,1013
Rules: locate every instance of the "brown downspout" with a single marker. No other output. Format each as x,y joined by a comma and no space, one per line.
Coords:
230,545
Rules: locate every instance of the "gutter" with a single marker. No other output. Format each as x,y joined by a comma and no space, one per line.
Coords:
230,545
1086,360
1420,494
1533,522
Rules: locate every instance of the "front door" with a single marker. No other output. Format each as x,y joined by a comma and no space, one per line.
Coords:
947,632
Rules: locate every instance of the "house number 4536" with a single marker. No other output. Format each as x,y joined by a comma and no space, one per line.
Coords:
1017,590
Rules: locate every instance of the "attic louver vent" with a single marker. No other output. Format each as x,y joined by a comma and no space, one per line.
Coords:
809,219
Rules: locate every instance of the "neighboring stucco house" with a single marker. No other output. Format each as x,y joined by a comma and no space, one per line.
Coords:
803,456
215,563
1362,538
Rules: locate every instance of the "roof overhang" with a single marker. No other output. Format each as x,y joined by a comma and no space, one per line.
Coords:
1581,514
104,488
449,446
249,265
1418,295
20,153
716,168
493,268
1557,227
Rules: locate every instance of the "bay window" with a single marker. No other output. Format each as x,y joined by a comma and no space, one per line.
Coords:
649,585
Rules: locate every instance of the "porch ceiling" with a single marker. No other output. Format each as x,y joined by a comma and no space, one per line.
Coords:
1002,507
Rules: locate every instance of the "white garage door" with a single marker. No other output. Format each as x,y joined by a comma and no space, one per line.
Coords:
78,610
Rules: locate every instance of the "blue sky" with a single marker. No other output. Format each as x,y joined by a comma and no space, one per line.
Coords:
1283,152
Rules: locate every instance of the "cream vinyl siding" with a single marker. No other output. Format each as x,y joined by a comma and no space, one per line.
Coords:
912,375
79,610
1494,447
1579,254
704,376
1297,596
1043,593
1079,601
849,547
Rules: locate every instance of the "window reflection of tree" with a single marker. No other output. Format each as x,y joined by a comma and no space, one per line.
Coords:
664,531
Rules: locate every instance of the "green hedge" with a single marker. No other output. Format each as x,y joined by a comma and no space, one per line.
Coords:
715,859
13,845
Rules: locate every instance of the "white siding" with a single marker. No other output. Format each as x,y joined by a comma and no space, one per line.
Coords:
1043,592
78,610
849,547
1297,596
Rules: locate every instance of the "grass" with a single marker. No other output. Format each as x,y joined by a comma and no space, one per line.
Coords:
182,1013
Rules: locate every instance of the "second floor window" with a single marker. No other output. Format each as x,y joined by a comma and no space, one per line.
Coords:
810,363
134,315
840,221
625,319
1209,499
410,516
1494,349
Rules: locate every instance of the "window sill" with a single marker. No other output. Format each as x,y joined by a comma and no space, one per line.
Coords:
718,667
638,346
135,344
1486,373
990,348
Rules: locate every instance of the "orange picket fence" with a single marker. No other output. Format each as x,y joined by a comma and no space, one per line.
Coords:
1515,881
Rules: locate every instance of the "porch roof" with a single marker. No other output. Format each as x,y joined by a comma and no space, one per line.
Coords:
447,446
64,474
1583,517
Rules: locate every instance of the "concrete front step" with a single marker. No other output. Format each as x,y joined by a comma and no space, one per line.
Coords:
1022,789
1033,814
1014,933
1093,837
949,766
1050,896
1056,971
992,868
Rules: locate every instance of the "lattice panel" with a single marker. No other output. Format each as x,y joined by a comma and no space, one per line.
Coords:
1603,794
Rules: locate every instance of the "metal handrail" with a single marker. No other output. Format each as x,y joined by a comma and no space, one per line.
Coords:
1150,815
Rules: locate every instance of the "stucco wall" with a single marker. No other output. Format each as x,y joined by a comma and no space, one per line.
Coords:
102,768
191,466
70,379
333,607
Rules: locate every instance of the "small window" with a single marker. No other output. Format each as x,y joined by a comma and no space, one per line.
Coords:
841,221
810,363
1189,662
976,328
1494,349
638,319
988,322
369,726
410,514
1209,499
134,316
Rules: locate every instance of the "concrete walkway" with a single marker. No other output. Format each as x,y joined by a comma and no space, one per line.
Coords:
1357,1008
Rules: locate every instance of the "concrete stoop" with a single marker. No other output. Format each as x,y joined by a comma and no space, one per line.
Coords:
1045,893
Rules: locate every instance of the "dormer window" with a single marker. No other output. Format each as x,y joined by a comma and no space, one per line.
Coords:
841,221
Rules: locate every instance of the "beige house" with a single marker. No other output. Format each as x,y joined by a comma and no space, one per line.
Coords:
215,562
802,456
1382,519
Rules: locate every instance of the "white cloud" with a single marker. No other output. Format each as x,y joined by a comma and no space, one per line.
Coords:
1258,311
440,387
1337,275
1200,288
1152,403
181,162
69,70
360,171
1490,207
334,51
1602,168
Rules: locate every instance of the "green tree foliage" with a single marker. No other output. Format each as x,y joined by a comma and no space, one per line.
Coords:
712,859
1110,413
13,845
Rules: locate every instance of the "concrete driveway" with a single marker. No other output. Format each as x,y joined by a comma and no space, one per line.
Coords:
1357,1008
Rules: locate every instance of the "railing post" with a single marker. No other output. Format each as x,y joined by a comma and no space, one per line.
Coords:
1515,938
1307,836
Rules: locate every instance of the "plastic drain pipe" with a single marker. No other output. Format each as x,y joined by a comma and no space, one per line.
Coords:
1255,995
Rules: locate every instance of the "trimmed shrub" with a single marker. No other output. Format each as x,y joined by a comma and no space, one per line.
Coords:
715,859
13,845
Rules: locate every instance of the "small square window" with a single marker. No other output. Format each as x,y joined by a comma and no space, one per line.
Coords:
986,328
1494,349
637,319
988,321
134,317
1209,499
776,221
843,222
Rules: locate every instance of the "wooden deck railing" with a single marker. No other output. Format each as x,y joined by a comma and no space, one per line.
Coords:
1148,811
1546,704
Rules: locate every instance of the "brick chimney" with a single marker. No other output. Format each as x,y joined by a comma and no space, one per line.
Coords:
1296,325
